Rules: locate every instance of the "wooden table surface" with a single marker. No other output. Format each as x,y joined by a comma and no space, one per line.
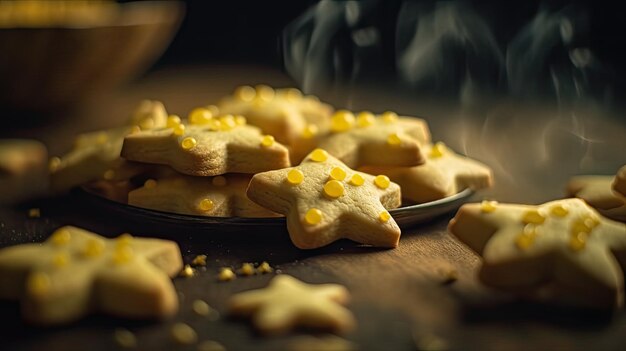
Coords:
397,295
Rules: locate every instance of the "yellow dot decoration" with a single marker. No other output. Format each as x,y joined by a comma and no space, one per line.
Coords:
179,130
61,237
338,173
150,184
559,211
240,120
533,216
578,242
200,116
527,238
394,139
245,93
247,269
226,274
219,181
93,248
310,131
384,216
488,206
293,94
319,155
382,181
206,205
365,119
172,121
313,216
389,117
295,176
342,121
38,284
264,268
438,150
227,122
267,140
333,188
357,180
264,92
123,240
60,260
188,143
122,255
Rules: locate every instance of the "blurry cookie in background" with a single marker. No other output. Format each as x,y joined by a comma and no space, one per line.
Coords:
23,170
598,192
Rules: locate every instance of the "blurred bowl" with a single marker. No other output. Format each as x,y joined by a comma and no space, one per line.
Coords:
53,61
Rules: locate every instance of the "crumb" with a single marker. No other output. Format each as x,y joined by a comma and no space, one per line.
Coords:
187,271
202,308
125,338
265,268
183,334
199,260
226,274
210,345
34,213
246,269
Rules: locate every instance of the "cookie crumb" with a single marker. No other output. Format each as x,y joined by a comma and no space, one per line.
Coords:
34,213
199,260
183,334
125,338
226,274
187,271
247,269
210,345
264,268
201,308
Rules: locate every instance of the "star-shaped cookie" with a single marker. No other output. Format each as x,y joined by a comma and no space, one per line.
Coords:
443,174
597,191
368,140
76,272
288,303
324,201
221,196
561,251
206,150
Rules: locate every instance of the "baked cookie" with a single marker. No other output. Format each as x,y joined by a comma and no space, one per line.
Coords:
443,174
561,251
23,170
288,303
76,272
367,140
220,196
619,183
206,149
597,192
324,201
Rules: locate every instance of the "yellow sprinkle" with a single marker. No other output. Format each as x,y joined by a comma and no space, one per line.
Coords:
219,181
292,94
438,150
172,121
342,121
389,117
295,176
93,248
200,116
122,255
333,188
524,241
310,131
34,213
394,139
319,155
240,120
247,269
150,184
384,216
210,345
215,124
227,122
54,164
226,274
592,221
264,268
61,260
201,308
61,237
578,242
488,206
264,92
357,179
338,173
313,216
382,181
124,240
533,216
559,211
188,143
214,109
38,284
245,93
109,174
124,338
183,334
187,271
365,119
179,130
581,225
205,205
199,260
267,140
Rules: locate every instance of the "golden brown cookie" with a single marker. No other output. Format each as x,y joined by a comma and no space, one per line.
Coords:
220,196
597,192
288,303
324,200
562,251
75,273
23,170
443,174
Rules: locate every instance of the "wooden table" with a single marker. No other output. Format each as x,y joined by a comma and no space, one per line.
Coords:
397,294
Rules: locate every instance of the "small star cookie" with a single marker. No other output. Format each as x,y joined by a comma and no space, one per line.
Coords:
561,251
76,272
288,303
221,196
619,183
324,201
443,174
207,148
367,140
597,192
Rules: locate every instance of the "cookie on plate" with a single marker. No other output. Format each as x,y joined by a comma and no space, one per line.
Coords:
220,196
444,173
23,170
597,191
324,200
76,272
562,251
